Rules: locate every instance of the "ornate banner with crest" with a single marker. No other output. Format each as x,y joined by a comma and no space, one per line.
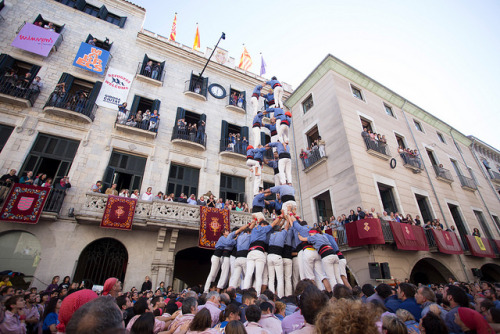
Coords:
409,237
364,232
119,213
24,204
212,222
447,242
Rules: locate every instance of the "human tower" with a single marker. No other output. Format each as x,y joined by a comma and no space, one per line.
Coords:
277,255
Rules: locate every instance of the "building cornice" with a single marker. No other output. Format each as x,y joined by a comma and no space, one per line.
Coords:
125,6
331,63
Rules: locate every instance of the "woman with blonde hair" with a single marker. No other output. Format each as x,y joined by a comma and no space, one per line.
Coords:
346,316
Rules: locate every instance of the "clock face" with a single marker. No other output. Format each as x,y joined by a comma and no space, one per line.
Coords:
217,91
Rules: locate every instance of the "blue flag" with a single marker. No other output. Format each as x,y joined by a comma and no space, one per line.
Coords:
262,66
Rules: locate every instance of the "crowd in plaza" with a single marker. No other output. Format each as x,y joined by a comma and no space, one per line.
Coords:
396,308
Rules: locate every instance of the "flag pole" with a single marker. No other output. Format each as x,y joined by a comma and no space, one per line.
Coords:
223,36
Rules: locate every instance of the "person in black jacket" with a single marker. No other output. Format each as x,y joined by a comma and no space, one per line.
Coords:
352,216
147,285
7,181
361,213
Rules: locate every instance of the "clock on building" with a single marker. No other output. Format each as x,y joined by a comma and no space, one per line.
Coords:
217,91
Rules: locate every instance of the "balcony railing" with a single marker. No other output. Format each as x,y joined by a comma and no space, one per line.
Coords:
467,182
154,77
55,200
144,126
195,89
443,174
313,157
377,148
234,146
236,104
430,238
20,91
78,106
387,231
411,161
495,177
155,214
194,137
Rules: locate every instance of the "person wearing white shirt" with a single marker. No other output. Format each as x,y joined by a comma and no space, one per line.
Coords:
148,195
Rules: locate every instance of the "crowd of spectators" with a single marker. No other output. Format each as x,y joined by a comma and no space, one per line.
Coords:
146,120
237,100
22,86
194,132
395,308
236,143
374,141
316,151
152,70
409,156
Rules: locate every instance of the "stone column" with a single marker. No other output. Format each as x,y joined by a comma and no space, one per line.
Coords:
162,267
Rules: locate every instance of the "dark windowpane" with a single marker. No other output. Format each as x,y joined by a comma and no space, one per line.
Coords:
123,162
5,132
51,146
40,143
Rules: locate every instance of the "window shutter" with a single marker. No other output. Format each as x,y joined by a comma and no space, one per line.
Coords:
60,29
162,67
108,177
181,113
93,95
156,106
135,105
203,118
68,79
34,70
89,38
263,138
224,135
80,4
244,133
229,96
6,62
244,94
204,87
39,18
144,62
103,13
122,21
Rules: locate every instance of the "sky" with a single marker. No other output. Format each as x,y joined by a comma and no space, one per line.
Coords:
442,55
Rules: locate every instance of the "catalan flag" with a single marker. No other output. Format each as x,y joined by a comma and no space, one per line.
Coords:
174,29
196,45
246,60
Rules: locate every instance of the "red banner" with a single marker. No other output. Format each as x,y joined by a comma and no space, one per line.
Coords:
364,232
119,213
480,246
409,237
24,203
212,222
447,242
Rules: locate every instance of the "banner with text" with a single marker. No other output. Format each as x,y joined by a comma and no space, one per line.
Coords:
115,88
91,58
35,39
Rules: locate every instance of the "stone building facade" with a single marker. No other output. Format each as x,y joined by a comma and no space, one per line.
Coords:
447,181
86,143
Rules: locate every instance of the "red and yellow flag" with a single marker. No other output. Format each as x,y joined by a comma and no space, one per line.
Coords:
196,45
246,60
174,29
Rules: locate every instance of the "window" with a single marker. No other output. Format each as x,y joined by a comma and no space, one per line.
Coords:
496,220
312,135
142,105
401,141
418,126
455,166
232,188
183,179
152,68
424,207
125,170
441,137
484,225
101,13
184,129
387,196
10,68
432,158
91,10
237,98
5,132
198,85
388,110
366,124
233,138
356,92
103,44
42,22
307,104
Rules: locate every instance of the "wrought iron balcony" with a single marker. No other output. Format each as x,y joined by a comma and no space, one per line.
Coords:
154,214
194,139
17,92
236,148
129,124
443,174
69,107
430,239
313,159
467,183
376,148
412,162
195,89
495,177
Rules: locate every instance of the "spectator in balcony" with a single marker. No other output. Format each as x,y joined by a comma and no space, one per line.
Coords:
158,196
417,220
153,121
131,120
112,190
123,193
135,194
361,213
200,134
220,203
241,101
392,217
201,201
148,195
234,98
321,146
372,214
408,219
35,86
239,207
48,183
63,184
197,88
192,200
59,94
191,129
50,26
402,154
92,41
81,101
211,201
451,229
145,119
148,68
28,179
303,156
156,71
38,181
476,232
428,225
182,198
385,216
170,198
397,217
96,187
352,216
9,80
382,142
122,113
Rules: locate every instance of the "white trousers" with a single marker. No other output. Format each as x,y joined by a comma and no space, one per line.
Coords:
214,269
256,137
240,266
278,97
257,178
277,179
275,269
312,265
224,272
278,129
322,152
342,267
300,261
283,133
285,168
295,271
287,272
256,261
255,105
331,268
